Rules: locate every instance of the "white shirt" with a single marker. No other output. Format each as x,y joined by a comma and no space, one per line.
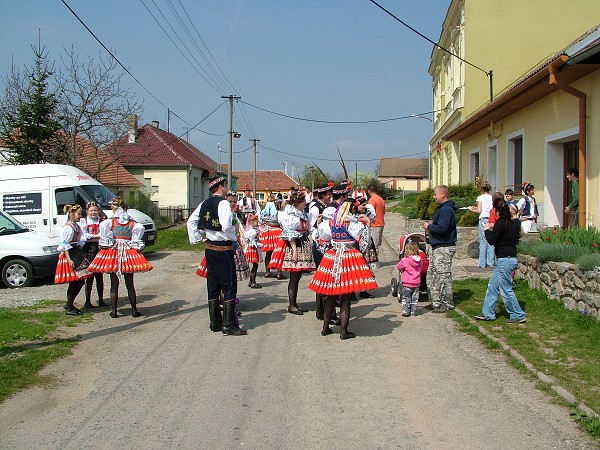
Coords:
486,205
225,219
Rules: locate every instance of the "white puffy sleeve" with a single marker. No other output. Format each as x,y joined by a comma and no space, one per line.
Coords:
194,234
226,220
106,234
66,234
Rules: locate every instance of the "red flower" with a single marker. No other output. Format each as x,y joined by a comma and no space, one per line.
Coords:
547,238
567,242
554,231
595,245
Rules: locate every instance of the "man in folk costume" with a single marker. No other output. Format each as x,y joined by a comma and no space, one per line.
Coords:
247,205
358,192
215,218
322,197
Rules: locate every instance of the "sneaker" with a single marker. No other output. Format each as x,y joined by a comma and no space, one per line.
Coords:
523,320
405,314
480,317
430,306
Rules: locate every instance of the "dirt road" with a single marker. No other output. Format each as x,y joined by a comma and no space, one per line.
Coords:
164,380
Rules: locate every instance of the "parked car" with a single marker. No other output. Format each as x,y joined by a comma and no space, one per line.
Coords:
25,254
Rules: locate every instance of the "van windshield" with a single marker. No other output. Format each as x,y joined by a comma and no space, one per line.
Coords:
9,225
101,194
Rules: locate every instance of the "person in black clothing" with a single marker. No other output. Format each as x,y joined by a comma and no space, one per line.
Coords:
504,236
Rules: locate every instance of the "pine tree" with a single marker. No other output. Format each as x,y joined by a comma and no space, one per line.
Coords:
29,131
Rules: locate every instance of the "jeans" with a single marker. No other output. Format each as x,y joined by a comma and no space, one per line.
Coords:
501,283
486,251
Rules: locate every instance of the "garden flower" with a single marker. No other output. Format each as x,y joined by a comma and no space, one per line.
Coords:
595,245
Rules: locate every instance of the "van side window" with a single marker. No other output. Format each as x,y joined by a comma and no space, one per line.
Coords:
64,197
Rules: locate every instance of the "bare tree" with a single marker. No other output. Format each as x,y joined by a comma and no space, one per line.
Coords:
93,104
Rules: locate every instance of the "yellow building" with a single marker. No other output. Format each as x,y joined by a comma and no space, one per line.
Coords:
493,45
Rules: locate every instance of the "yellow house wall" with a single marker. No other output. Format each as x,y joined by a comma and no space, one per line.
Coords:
554,118
172,186
514,36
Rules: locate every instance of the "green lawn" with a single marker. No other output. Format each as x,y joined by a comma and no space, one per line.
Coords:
171,239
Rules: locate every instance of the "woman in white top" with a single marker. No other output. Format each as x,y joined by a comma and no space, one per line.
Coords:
528,210
483,208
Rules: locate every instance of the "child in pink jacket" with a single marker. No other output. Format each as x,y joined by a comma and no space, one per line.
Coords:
410,266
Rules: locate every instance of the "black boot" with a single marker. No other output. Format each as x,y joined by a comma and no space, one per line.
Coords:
320,306
230,322
216,317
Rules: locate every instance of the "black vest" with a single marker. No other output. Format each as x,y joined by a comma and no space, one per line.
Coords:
209,214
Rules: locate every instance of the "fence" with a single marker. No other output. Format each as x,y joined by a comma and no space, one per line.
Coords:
171,215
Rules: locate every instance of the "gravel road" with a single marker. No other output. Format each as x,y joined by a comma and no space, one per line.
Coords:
165,381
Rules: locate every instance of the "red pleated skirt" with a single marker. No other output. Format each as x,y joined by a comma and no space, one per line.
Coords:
131,261
252,255
282,257
242,270
201,271
269,237
66,274
355,274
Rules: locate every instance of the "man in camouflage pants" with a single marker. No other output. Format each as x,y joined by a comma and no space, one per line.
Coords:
442,238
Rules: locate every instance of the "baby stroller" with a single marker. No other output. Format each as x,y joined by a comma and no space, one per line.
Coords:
421,239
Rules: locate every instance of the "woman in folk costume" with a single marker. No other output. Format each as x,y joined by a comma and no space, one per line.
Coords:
293,253
270,231
72,266
371,256
242,268
253,248
343,270
91,227
120,253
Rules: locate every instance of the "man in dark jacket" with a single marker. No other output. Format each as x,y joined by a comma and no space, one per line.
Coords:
442,238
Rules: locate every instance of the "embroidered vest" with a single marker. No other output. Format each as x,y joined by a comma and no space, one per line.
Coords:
122,231
209,214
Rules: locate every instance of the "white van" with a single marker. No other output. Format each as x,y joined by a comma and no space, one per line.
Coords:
25,254
35,195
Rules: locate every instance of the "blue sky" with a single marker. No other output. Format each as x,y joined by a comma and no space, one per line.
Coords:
321,60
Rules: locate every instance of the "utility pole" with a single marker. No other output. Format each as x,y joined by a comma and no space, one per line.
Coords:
254,173
355,173
230,155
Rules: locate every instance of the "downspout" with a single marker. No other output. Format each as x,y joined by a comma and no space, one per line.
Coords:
552,68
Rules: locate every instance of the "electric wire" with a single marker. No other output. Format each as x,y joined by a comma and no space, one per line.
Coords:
210,82
427,39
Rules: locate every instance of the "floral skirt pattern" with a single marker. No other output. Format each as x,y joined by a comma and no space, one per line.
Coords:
282,257
269,237
354,274
253,256
66,274
120,259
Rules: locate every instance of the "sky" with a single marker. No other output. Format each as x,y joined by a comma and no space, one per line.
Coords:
313,61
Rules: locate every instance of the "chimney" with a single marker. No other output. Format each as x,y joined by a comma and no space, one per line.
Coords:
133,126
155,124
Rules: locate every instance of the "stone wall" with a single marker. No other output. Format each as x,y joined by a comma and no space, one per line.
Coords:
467,245
564,282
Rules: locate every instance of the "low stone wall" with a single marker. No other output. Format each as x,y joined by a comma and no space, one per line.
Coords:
467,245
565,282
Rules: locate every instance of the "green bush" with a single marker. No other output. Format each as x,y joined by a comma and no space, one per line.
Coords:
579,237
463,195
584,258
589,262
468,219
140,201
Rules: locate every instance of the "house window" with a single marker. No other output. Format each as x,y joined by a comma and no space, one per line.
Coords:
260,196
474,166
196,186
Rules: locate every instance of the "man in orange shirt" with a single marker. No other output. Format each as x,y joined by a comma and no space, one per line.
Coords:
379,205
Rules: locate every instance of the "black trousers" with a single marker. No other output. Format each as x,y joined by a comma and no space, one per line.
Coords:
220,268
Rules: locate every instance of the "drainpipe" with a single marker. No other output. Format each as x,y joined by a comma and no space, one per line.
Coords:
553,69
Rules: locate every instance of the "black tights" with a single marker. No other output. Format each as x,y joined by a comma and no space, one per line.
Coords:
89,284
293,288
253,273
268,260
72,292
344,311
114,292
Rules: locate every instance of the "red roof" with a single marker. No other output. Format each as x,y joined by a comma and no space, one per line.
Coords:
101,165
266,180
156,147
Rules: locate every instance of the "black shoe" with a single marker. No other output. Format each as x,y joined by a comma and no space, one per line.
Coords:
366,294
326,332
347,335
281,277
335,321
255,286
113,315
88,305
523,320
430,307
136,313
74,312
102,303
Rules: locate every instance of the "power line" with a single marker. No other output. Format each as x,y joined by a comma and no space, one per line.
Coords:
410,116
429,40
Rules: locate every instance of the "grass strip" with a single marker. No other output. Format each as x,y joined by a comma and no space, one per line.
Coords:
172,239
556,342
27,343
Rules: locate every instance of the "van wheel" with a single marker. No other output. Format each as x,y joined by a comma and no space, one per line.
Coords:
17,273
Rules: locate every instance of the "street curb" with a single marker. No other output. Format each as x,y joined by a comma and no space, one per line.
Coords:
548,380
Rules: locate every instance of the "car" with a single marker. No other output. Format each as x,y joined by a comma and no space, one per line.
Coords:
25,254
